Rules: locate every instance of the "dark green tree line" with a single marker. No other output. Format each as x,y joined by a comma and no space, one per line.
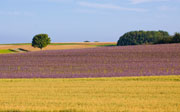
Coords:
142,37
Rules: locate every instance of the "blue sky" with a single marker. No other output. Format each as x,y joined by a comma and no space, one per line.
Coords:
80,20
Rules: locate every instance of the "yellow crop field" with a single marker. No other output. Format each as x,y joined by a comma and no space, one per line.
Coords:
50,47
131,94
57,46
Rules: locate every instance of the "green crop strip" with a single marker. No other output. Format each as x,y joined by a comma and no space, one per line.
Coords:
5,51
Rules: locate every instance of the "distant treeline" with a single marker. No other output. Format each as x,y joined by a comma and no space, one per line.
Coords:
148,37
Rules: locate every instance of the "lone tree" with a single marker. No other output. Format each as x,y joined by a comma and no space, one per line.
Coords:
41,41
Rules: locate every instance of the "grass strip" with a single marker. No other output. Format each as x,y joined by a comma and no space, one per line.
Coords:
5,51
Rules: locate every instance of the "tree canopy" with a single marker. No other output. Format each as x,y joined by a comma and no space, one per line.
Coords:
41,40
176,38
142,37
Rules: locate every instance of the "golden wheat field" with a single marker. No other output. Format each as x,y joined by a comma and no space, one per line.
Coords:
57,46
50,47
132,94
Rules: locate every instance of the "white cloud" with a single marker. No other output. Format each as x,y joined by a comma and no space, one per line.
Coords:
109,6
60,0
11,13
86,11
15,13
144,1
167,8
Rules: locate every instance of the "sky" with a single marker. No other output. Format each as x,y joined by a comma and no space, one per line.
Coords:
82,20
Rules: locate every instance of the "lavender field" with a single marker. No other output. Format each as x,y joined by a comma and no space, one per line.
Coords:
143,60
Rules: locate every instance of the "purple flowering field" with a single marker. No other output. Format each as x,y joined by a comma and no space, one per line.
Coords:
142,60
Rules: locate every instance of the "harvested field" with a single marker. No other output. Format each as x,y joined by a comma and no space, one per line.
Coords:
49,47
143,60
58,46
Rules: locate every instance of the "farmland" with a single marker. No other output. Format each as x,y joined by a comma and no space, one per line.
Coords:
75,80
134,94
5,51
55,46
143,60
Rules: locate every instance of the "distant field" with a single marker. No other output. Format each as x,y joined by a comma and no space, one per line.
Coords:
70,43
135,94
56,46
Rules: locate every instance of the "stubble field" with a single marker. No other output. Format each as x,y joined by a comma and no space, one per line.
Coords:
55,46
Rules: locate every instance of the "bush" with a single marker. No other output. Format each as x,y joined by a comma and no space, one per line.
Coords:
142,37
41,41
165,40
86,41
170,39
176,38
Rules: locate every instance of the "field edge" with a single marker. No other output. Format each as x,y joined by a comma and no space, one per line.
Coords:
128,78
